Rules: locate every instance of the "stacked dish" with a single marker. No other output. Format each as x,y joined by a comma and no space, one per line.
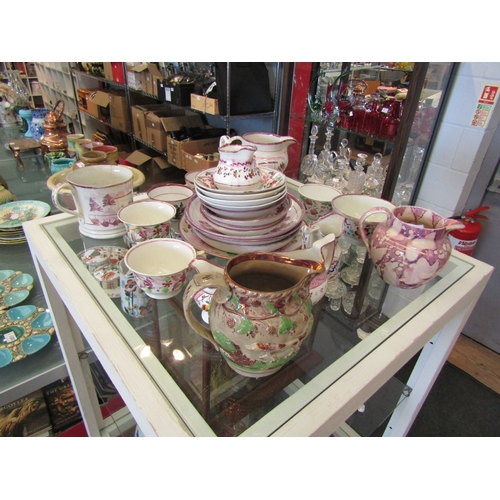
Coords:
260,217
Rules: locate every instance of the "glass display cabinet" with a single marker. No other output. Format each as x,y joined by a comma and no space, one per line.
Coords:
174,383
408,97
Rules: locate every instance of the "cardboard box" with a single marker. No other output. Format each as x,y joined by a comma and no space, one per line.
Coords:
197,161
118,105
139,113
206,104
180,94
160,123
120,122
152,75
99,102
151,166
114,71
134,75
176,150
84,102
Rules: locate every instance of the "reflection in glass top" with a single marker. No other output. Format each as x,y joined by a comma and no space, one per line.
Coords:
232,404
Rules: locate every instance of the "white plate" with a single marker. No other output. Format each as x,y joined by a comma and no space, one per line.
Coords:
290,222
188,234
235,196
240,206
278,214
269,179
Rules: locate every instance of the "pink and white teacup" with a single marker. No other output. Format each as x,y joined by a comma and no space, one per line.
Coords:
160,266
146,220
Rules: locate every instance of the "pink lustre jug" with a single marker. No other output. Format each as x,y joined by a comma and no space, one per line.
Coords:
411,246
260,312
236,167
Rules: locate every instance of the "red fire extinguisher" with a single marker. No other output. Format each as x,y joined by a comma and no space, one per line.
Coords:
464,240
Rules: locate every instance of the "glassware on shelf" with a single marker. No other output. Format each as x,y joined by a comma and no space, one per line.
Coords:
375,177
20,93
391,118
357,177
310,160
357,118
335,290
371,123
404,188
326,159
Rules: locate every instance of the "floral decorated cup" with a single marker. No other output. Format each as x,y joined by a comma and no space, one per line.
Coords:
160,266
98,192
146,220
317,198
175,194
352,207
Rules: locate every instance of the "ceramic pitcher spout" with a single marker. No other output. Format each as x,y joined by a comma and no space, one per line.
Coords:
453,224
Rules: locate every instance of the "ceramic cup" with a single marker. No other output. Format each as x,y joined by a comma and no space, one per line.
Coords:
111,152
175,194
61,164
352,207
146,220
317,199
160,266
99,192
72,138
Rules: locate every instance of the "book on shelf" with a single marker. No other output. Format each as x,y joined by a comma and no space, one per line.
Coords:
62,404
26,416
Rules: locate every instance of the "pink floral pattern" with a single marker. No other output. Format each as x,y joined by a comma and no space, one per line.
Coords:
411,247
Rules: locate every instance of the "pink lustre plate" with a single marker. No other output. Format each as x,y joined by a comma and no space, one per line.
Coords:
188,234
269,179
199,221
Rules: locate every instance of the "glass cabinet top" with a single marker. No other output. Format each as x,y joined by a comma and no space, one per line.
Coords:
215,400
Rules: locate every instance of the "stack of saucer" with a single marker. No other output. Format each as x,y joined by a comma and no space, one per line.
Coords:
14,214
260,217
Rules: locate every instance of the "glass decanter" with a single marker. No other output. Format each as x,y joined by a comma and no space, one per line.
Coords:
356,120
310,160
375,177
404,188
335,290
390,121
326,159
357,177
372,116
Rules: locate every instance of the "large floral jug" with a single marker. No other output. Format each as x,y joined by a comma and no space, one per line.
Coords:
411,246
260,312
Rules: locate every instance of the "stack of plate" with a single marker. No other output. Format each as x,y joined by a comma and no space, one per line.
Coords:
261,217
12,216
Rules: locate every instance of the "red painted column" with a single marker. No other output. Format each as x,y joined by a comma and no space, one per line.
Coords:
298,113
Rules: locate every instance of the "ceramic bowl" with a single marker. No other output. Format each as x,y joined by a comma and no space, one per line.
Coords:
190,177
240,196
160,266
146,220
352,207
175,194
317,199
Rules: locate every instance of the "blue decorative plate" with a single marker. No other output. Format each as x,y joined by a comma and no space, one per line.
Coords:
24,330
15,286
13,214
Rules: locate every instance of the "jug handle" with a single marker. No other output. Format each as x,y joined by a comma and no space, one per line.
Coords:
375,210
225,140
198,283
62,109
55,199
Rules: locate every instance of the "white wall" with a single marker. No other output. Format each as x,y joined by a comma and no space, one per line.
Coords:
460,148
